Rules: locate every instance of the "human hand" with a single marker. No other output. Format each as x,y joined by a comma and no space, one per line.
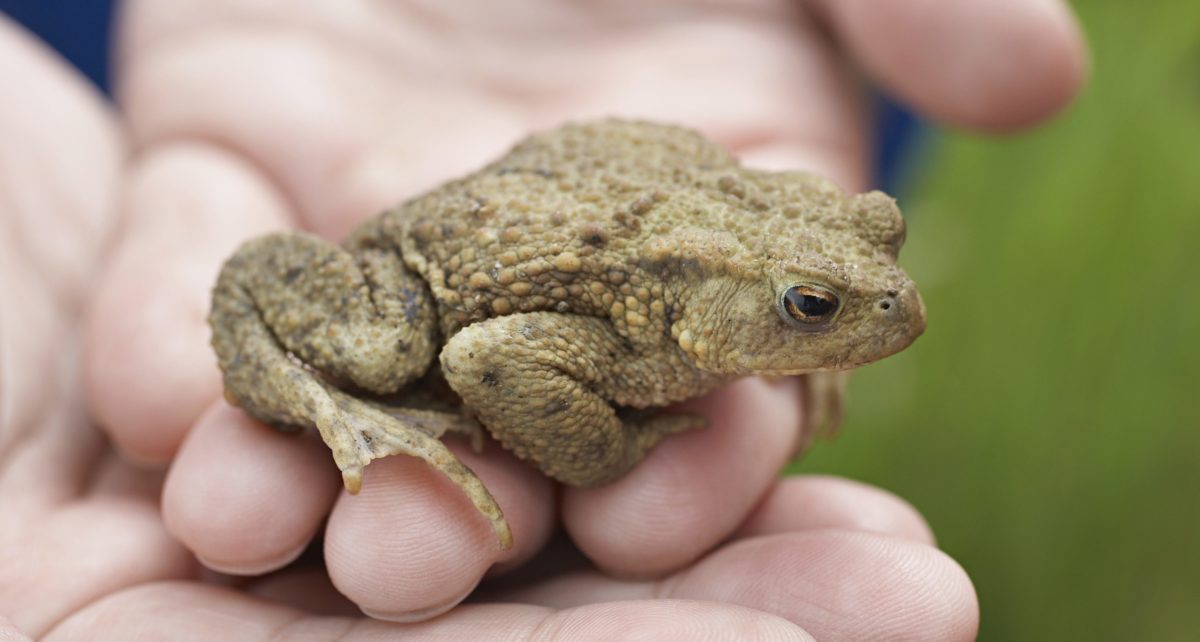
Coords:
254,119
76,522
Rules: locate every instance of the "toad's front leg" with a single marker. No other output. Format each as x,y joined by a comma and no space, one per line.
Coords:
289,306
535,379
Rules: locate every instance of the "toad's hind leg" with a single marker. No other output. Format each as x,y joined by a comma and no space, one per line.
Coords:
360,317
289,305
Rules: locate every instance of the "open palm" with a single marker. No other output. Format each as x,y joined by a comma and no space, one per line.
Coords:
239,119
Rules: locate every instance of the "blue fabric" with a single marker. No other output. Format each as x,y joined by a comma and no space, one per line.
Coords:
80,30
897,135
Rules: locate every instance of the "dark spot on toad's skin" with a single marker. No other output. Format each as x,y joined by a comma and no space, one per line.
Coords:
292,274
594,236
557,406
626,343
411,304
668,322
490,378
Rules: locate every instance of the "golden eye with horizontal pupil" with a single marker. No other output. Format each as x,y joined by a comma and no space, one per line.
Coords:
810,304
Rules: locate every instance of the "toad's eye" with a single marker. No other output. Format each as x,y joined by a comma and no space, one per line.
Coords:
811,305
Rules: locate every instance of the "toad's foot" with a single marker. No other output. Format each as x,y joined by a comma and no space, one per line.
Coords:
436,423
359,432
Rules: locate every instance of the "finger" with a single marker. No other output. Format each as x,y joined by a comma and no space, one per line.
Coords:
209,613
837,585
335,127
150,371
841,585
814,502
82,552
59,169
374,133
978,63
692,490
61,164
762,83
245,498
411,545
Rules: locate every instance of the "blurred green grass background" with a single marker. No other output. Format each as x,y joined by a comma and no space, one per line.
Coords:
1048,423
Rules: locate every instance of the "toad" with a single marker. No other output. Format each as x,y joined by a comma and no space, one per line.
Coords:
556,298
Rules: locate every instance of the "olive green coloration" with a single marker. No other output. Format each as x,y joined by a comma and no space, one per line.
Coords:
594,272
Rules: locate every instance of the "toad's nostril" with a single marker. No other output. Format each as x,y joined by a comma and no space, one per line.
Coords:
886,304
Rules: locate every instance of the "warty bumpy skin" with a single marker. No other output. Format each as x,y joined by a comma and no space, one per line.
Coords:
556,297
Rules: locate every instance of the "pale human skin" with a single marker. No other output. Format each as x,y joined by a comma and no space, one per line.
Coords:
217,164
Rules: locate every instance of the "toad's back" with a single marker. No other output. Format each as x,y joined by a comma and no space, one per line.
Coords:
553,226
556,224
